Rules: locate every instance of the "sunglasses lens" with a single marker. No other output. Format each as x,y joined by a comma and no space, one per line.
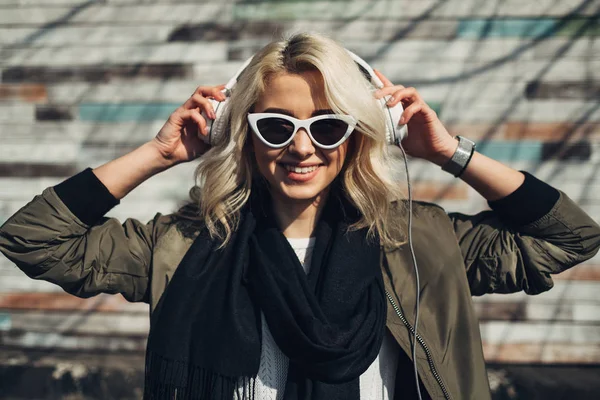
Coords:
328,131
275,130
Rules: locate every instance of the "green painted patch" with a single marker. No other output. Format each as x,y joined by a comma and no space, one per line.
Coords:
479,28
137,112
5,322
527,27
522,150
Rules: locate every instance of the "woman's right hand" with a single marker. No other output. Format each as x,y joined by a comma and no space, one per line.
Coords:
179,139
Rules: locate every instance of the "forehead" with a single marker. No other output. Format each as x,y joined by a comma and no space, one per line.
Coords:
301,93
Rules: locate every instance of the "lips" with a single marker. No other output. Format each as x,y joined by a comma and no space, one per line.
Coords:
300,170
301,173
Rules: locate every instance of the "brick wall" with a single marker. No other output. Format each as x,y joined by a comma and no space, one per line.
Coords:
82,82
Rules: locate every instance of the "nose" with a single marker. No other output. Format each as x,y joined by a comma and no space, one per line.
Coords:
301,145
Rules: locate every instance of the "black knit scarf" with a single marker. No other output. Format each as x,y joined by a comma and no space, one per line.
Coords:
205,335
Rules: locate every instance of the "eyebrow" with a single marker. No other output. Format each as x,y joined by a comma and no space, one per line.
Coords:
291,114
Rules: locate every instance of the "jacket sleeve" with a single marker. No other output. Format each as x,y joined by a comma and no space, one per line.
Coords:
529,235
62,237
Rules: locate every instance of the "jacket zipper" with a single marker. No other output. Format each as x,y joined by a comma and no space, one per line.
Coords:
423,345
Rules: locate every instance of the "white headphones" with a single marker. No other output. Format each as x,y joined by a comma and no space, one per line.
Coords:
394,132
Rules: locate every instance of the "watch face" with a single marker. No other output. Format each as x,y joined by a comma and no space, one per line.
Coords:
465,141
461,157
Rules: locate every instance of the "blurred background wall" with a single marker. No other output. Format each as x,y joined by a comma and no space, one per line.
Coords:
82,82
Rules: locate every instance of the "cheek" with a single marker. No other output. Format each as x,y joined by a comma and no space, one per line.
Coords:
264,157
266,164
337,158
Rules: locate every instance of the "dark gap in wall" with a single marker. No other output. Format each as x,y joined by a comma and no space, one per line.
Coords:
564,151
53,113
98,73
584,90
212,31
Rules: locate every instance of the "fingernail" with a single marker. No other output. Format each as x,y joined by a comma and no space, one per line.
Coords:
212,115
391,100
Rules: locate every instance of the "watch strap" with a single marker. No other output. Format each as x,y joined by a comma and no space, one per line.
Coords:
461,157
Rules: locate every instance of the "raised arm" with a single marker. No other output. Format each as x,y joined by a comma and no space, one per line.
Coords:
533,229
50,240
61,236
178,141
534,232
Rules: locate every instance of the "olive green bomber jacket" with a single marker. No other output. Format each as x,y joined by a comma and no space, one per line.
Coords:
458,256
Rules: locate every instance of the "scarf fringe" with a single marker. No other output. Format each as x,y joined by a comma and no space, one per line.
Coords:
178,380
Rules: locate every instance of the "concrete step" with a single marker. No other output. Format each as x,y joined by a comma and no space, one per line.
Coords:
75,375
95,376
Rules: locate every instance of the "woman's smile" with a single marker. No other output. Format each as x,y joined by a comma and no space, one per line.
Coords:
301,173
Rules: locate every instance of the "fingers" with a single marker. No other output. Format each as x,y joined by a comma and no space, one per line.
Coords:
200,98
387,91
201,102
397,94
215,92
184,117
391,94
194,115
417,107
405,95
410,99
386,82
191,115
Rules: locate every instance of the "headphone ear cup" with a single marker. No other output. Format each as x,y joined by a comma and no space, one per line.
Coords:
215,127
394,131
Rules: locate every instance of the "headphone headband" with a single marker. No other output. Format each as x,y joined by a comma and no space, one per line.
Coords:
374,78
229,85
362,63
394,132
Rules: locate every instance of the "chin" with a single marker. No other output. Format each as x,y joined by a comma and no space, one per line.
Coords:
301,192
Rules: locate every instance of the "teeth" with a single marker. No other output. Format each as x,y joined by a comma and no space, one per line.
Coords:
303,170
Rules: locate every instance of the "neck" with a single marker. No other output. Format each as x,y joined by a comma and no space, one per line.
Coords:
298,219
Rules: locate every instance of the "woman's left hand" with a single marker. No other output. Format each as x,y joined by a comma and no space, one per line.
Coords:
427,137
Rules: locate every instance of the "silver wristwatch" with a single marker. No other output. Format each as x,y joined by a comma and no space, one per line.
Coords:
461,157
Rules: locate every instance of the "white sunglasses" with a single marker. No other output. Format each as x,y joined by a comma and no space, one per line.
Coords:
278,130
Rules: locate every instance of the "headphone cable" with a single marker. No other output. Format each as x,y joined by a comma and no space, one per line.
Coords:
417,283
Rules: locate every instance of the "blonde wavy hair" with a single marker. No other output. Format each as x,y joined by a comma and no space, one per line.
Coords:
224,174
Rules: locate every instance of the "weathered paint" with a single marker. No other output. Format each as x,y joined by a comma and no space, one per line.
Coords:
126,112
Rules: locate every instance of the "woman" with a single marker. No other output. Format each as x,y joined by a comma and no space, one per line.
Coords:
290,276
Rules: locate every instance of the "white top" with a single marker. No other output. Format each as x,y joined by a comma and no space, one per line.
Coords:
376,383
